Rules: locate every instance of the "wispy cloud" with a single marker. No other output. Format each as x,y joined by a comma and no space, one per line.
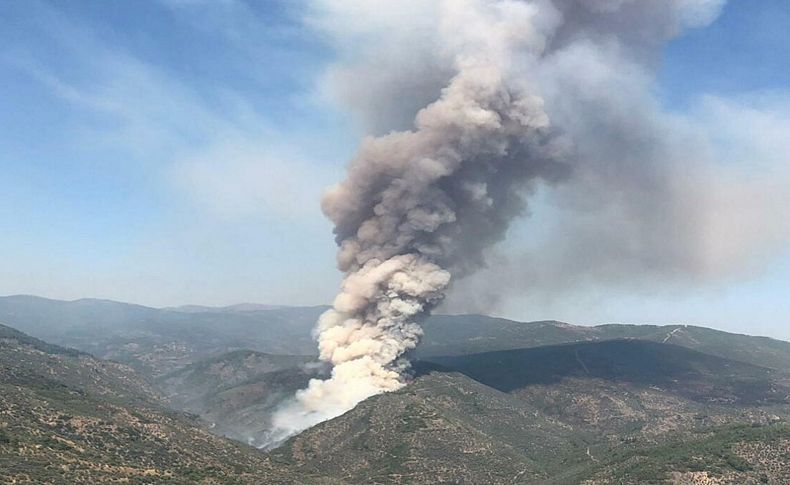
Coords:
213,146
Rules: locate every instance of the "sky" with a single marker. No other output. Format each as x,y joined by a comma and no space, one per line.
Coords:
170,152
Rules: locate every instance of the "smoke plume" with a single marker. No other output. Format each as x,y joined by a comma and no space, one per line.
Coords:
521,95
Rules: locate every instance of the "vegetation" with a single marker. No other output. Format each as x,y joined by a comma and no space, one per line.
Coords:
725,453
692,374
492,401
69,418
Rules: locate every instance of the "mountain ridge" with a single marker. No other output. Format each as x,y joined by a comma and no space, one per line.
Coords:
132,333
584,410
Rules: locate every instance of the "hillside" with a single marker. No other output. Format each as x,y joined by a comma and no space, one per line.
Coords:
443,428
492,401
26,360
160,341
688,373
67,417
762,351
155,341
225,371
237,392
593,412
633,392
608,425
239,308
446,428
466,334
732,454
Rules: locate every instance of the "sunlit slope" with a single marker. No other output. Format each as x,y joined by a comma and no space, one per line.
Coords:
66,417
613,410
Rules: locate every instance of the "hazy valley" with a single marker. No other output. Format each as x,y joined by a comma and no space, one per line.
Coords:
149,395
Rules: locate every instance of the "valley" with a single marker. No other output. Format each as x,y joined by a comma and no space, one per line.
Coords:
105,391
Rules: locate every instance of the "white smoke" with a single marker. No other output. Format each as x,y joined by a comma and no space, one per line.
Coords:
523,94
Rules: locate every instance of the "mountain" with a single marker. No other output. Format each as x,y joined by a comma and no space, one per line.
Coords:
28,360
443,428
67,417
229,370
731,454
492,401
762,351
631,391
159,341
685,372
237,392
623,411
237,308
446,428
466,334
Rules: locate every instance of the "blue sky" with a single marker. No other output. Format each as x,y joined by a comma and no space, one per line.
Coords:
172,152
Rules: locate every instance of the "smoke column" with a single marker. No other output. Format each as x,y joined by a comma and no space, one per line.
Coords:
418,206
523,94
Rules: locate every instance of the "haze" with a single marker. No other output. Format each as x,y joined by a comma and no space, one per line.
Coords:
175,152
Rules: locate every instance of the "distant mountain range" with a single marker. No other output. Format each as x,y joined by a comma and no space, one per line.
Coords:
162,340
491,401
237,308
